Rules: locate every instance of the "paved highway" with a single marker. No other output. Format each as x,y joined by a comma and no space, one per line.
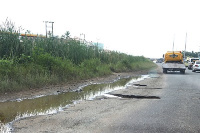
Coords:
178,110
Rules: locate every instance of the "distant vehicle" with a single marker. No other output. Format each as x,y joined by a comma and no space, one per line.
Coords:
196,66
186,63
191,62
173,61
159,60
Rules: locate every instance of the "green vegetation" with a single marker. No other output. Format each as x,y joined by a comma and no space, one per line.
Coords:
36,62
191,54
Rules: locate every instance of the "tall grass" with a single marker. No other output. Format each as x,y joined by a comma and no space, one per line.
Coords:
36,62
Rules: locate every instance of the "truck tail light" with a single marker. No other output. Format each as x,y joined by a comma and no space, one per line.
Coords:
196,65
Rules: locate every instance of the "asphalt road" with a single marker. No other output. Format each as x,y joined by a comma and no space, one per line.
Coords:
177,110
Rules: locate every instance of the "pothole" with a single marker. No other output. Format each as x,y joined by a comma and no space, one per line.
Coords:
139,85
136,96
149,88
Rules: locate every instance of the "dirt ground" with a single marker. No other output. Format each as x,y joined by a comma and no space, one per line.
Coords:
31,93
85,116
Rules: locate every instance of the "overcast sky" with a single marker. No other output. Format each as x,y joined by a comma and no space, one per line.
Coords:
136,27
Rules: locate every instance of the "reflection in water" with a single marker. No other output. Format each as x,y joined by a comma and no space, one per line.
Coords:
13,110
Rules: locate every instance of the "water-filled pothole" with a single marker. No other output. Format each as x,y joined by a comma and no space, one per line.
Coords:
13,110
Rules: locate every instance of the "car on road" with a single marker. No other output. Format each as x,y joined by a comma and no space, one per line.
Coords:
159,60
196,66
191,62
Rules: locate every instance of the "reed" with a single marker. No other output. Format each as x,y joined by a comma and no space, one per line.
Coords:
27,63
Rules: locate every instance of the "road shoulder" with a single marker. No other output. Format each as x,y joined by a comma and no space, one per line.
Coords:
92,116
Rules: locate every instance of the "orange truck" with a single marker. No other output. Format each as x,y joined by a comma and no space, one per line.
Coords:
173,61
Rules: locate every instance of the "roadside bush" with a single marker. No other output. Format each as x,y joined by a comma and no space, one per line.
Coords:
93,67
46,60
89,67
23,59
6,67
65,70
118,67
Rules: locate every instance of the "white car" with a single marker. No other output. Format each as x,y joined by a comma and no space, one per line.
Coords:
191,62
196,66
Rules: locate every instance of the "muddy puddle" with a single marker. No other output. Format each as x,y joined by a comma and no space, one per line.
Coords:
14,110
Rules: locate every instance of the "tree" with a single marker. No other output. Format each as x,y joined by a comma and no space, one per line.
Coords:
66,35
191,54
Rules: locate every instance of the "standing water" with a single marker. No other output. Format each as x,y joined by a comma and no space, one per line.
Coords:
14,110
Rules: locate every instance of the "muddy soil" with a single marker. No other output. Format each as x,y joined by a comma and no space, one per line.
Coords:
31,93
88,116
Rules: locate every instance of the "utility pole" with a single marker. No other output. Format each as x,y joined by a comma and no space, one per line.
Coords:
46,27
52,28
173,45
185,45
199,53
83,39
